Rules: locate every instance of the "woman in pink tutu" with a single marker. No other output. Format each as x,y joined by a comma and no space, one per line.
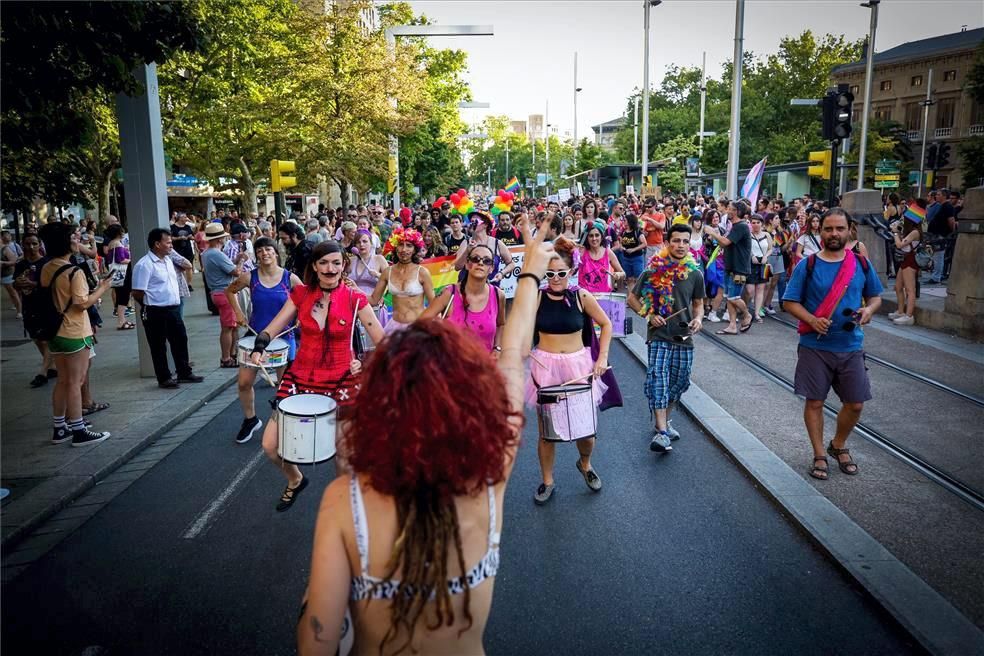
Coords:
561,355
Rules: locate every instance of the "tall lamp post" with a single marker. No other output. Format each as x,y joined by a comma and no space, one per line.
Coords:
735,135
868,81
577,90
646,5
419,30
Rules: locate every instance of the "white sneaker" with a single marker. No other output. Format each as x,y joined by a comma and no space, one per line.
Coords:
671,432
769,311
893,316
713,317
903,320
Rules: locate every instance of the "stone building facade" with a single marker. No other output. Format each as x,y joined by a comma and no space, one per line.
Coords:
901,76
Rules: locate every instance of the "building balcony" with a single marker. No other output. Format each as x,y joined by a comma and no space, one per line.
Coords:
913,135
942,133
976,130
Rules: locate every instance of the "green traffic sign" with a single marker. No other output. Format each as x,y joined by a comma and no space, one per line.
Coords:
885,170
886,184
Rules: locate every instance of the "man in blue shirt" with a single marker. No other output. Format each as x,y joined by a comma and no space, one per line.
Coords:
830,354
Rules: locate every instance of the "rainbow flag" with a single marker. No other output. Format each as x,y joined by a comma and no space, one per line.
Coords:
914,213
753,183
512,185
442,273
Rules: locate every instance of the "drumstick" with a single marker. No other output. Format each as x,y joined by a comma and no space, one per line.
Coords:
285,332
266,375
533,357
447,308
352,336
574,380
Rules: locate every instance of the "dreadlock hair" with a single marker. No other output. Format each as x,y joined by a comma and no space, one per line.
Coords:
424,445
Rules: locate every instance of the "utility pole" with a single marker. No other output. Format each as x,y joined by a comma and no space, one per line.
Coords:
635,131
922,157
576,89
703,105
868,82
842,185
735,134
546,134
507,158
647,5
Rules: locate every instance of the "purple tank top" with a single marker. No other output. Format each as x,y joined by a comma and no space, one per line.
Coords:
482,324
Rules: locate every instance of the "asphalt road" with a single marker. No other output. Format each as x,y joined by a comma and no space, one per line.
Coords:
679,553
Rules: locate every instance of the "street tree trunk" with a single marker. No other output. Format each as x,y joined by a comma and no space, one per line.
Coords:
102,203
248,188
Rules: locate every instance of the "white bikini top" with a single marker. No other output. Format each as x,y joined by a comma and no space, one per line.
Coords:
413,288
371,587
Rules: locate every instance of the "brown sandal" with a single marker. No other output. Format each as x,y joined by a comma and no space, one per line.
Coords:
820,473
843,465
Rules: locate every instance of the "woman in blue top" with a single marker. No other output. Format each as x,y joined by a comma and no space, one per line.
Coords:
269,287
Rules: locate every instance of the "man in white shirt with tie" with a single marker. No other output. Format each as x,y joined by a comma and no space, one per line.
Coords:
155,287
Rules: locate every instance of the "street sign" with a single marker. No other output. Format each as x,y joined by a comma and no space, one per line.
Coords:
890,176
888,163
886,184
885,170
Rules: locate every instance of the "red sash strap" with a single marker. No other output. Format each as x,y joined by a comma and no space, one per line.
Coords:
845,273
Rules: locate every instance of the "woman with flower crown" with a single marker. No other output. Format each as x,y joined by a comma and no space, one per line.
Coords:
407,282
670,296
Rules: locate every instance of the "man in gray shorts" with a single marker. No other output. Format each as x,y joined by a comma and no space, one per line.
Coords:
831,341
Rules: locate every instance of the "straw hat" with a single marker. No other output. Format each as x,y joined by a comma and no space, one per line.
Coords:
215,231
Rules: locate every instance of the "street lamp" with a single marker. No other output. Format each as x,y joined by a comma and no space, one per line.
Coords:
577,90
647,5
419,30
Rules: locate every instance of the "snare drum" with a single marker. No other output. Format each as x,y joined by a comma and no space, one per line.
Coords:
274,356
614,306
307,428
567,412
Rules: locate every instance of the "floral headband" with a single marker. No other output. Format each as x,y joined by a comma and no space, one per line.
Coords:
401,235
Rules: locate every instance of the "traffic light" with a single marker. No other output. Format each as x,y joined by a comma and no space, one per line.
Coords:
837,113
903,147
931,157
820,164
279,181
943,156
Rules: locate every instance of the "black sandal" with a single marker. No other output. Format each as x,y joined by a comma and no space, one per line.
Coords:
820,473
289,496
843,465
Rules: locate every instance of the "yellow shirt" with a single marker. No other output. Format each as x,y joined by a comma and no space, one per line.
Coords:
67,288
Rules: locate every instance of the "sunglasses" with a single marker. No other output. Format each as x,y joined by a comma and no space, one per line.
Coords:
854,315
563,273
475,259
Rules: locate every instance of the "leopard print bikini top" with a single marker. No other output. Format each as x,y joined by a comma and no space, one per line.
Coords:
370,587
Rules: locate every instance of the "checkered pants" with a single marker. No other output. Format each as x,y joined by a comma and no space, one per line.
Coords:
668,373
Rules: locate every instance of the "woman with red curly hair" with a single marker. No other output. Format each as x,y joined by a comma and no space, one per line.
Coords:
562,356
407,282
324,363
408,546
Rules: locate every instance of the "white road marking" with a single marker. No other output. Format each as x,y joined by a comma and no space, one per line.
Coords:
211,511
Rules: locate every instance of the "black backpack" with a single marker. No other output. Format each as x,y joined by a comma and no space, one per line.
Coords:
45,316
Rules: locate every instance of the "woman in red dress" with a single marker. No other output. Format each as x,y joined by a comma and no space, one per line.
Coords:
325,362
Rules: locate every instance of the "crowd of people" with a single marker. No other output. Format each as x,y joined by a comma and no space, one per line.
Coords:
429,386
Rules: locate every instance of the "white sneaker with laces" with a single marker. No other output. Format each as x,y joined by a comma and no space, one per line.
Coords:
713,317
903,320
892,316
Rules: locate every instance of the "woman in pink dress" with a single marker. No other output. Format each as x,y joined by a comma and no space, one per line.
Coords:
598,266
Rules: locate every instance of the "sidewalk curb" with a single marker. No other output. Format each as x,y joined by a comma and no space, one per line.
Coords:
82,484
932,620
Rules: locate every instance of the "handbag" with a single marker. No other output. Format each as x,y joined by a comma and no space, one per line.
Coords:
924,257
117,273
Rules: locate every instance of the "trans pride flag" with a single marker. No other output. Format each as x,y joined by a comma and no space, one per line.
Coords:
753,183
512,185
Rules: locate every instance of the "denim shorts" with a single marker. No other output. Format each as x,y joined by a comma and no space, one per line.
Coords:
732,289
632,264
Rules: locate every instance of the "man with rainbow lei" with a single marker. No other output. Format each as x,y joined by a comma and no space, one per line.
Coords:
670,295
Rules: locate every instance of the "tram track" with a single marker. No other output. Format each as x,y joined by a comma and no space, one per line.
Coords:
915,375
955,486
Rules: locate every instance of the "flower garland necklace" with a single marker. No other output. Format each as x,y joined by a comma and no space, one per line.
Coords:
657,288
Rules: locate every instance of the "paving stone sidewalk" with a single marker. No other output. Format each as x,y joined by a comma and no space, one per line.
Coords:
43,477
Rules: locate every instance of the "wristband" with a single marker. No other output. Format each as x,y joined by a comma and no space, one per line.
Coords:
261,342
533,276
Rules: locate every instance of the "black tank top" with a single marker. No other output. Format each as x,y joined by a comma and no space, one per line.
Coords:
559,317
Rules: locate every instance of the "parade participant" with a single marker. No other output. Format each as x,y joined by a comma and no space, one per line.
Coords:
364,224
26,274
561,355
631,255
325,364
570,227
297,247
778,259
220,272
737,266
506,232
73,342
653,225
240,243
408,283
758,279
475,305
365,267
907,235
454,239
434,479
269,288
598,263
433,243
671,283
481,234
832,294
810,242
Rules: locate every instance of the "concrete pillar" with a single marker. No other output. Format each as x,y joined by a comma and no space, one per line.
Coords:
965,290
143,175
865,206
